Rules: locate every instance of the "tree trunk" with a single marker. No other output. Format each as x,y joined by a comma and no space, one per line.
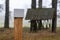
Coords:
6,24
33,26
40,24
33,5
54,5
40,21
40,4
33,21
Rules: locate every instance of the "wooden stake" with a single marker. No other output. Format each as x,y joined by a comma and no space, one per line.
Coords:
18,28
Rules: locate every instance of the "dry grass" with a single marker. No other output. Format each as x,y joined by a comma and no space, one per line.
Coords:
42,35
7,34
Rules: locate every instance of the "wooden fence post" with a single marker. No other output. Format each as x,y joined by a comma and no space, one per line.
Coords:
18,24
18,28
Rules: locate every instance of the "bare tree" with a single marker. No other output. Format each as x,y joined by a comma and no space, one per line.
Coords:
40,21
6,24
33,22
54,5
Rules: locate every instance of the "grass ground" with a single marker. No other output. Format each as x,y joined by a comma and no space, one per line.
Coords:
42,35
7,34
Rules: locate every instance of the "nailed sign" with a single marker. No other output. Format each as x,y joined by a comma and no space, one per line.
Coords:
18,12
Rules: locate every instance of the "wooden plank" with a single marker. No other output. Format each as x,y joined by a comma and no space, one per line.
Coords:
18,28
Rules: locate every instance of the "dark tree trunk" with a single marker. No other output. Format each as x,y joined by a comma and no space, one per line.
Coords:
33,22
33,5
6,24
40,4
40,21
40,24
54,5
33,26
46,27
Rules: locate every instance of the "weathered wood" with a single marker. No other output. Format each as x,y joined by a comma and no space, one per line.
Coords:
18,28
37,14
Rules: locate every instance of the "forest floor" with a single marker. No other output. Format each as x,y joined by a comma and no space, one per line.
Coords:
7,34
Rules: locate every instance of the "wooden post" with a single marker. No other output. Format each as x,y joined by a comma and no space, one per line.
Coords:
18,22
18,28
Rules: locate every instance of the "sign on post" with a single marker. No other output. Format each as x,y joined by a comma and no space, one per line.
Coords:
18,19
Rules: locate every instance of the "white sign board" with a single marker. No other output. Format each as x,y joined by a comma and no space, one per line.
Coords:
18,12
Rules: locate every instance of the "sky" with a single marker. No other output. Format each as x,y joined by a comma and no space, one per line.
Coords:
21,4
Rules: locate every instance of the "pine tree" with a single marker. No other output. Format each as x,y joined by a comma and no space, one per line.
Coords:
54,5
40,21
6,24
33,22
